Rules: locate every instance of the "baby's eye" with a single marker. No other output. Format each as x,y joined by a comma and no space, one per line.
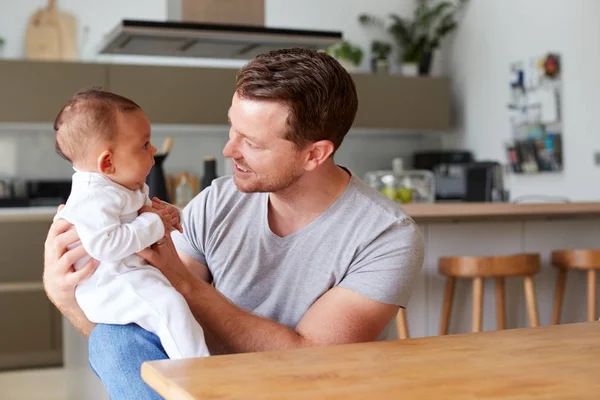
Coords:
146,145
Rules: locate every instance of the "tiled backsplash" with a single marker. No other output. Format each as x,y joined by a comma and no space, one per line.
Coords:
28,150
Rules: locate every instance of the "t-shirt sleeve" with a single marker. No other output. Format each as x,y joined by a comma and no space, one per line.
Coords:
387,269
195,221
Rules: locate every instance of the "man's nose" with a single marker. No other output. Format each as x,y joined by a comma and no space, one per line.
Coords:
230,149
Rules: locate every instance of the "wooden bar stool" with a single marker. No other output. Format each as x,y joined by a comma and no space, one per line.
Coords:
587,260
478,268
401,324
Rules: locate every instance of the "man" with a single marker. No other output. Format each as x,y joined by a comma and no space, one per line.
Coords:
300,251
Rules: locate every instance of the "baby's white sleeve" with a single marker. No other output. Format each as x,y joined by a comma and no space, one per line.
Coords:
103,235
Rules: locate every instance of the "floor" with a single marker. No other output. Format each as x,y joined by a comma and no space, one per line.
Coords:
38,384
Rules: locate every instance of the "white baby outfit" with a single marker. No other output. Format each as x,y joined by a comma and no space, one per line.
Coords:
125,288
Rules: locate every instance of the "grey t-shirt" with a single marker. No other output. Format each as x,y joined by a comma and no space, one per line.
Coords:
363,242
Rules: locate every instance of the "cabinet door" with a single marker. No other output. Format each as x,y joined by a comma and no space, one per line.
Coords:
28,328
22,251
395,102
34,92
177,95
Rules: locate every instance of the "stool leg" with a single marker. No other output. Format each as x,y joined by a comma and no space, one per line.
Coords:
500,303
447,306
559,293
532,311
401,324
477,304
591,295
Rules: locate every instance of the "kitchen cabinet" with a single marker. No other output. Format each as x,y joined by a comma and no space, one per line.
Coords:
177,95
30,328
35,91
396,102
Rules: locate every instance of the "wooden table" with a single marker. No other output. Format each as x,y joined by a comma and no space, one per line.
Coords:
555,362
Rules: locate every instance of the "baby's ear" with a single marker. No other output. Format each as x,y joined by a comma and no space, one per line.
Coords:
105,163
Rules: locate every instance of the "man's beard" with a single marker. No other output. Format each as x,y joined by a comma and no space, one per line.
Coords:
272,184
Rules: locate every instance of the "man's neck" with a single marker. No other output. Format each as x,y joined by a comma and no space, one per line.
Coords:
297,206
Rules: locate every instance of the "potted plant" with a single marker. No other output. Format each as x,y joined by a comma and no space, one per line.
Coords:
347,54
380,52
419,36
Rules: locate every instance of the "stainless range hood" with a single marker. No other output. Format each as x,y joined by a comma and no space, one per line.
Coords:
186,39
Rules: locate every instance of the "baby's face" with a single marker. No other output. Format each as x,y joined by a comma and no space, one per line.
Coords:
133,154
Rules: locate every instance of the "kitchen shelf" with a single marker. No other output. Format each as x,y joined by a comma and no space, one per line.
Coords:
34,92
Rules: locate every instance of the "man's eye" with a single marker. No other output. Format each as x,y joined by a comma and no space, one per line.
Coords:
250,144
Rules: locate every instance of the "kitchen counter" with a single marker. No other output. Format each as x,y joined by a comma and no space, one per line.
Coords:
500,211
420,212
10,214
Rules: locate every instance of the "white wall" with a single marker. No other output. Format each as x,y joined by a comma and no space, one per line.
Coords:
495,33
339,15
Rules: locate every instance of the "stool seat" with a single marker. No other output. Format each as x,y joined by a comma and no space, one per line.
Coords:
576,258
479,268
490,267
581,259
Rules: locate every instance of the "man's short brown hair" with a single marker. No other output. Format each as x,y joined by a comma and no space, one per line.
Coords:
319,92
89,116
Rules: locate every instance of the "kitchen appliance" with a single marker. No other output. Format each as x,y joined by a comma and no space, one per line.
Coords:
484,182
479,181
449,171
450,181
213,40
429,159
46,192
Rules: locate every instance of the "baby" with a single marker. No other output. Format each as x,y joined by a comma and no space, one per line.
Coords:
106,138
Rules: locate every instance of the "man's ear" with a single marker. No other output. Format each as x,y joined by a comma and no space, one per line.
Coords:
318,153
106,163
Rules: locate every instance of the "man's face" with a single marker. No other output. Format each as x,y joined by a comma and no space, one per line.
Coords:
263,160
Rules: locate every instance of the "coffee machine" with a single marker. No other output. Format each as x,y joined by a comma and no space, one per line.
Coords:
458,177
449,170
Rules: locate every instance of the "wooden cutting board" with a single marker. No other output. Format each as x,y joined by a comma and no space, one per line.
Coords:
51,35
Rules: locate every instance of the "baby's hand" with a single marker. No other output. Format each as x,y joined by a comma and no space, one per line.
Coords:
164,216
169,213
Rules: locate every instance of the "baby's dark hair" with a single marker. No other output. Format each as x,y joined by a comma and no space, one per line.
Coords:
88,117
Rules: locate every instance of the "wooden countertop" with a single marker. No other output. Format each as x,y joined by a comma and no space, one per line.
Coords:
420,212
27,214
551,362
462,211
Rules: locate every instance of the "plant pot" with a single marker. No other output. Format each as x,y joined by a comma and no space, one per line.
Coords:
410,69
380,66
425,63
1,50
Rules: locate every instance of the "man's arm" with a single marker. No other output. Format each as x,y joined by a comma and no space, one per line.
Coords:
339,316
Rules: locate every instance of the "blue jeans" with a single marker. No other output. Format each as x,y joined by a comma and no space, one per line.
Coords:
116,356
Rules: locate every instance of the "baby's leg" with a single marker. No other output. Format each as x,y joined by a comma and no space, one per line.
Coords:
145,297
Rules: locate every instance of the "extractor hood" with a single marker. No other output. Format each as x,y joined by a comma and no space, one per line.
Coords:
188,39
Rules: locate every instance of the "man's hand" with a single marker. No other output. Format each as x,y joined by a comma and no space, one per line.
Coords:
168,212
60,278
163,256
